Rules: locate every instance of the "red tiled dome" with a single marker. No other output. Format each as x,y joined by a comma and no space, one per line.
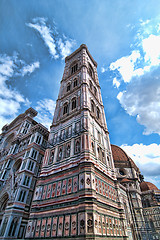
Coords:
145,186
121,159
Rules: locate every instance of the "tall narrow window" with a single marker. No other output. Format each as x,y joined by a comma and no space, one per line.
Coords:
68,150
90,84
98,113
13,227
65,108
77,147
95,91
60,153
73,103
68,87
74,68
75,83
92,106
90,71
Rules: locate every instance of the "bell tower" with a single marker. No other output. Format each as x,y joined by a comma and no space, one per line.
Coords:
77,194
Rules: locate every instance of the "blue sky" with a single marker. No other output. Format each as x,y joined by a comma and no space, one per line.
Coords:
122,36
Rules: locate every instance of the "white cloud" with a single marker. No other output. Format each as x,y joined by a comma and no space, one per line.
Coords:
65,46
147,158
116,83
10,98
45,33
151,49
57,45
142,99
45,110
28,69
126,66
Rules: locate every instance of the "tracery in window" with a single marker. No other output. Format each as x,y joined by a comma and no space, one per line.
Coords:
74,68
73,103
65,108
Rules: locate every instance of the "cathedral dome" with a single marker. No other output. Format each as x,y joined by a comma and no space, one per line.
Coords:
145,186
121,159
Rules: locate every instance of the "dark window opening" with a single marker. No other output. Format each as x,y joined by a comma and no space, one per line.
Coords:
75,83
74,103
68,87
74,68
65,108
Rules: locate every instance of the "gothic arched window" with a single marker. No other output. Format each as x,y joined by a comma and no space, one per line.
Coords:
77,147
73,103
92,106
68,87
98,113
90,84
90,70
95,91
75,83
65,108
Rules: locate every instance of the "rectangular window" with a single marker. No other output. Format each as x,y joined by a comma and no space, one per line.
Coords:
23,165
30,166
32,138
26,181
22,196
38,139
27,154
34,154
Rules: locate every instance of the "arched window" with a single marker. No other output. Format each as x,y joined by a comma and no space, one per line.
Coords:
68,87
77,147
92,144
75,83
13,227
90,84
90,70
95,91
73,103
65,108
92,106
98,113
74,68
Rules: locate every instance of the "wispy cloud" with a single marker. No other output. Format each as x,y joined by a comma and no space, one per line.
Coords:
45,110
58,45
10,98
45,32
28,69
147,158
140,71
65,46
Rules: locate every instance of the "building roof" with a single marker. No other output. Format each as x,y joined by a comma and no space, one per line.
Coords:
145,186
121,159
